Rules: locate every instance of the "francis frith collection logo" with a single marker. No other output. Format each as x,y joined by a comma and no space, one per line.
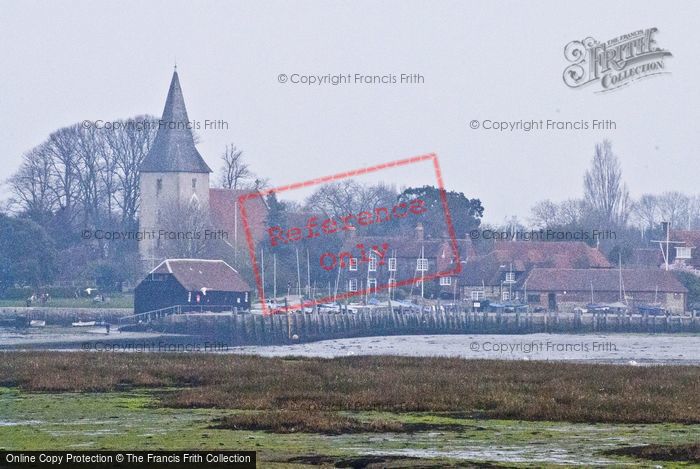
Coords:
615,63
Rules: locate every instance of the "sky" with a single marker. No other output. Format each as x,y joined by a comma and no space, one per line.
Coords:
65,62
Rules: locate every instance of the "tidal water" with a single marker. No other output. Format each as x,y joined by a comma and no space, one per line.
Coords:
593,348
634,349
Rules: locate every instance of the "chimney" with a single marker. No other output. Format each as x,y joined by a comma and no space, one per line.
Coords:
420,232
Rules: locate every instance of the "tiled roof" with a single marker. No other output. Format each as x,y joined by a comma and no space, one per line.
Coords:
483,270
555,254
599,280
521,256
173,149
203,274
225,215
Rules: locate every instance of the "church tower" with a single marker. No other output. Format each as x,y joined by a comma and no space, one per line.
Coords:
173,172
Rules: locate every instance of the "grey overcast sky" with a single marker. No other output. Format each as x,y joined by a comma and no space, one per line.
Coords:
63,62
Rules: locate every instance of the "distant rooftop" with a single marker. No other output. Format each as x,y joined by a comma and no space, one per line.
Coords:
173,149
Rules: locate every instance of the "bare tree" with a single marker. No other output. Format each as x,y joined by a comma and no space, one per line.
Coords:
61,148
234,171
571,212
127,146
342,198
259,184
182,230
31,186
88,162
646,210
693,212
673,207
545,213
604,191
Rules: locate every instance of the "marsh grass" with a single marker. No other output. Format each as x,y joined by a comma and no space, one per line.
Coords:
678,453
474,388
290,421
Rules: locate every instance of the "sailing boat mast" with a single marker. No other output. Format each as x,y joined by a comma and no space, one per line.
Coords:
619,270
274,276
422,271
298,275
308,275
262,261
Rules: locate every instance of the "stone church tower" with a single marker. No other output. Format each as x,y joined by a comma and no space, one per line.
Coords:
172,173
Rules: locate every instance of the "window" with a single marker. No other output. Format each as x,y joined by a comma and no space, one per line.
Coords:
352,264
159,185
372,266
510,277
683,252
533,298
392,283
444,281
372,284
194,183
505,296
421,264
477,295
392,264
352,284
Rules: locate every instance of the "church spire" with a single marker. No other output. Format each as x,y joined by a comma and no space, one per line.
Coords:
173,149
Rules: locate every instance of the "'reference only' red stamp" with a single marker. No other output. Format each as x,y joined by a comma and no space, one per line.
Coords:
360,253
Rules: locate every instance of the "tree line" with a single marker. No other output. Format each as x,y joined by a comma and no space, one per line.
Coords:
81,178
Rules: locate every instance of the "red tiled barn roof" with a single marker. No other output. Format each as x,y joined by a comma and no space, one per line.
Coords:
199,274
634,280
554,254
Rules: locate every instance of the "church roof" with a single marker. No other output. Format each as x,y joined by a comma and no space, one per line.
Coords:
173,149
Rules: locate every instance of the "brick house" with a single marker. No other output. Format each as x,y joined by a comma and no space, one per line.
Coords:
407,257
496,275
564,289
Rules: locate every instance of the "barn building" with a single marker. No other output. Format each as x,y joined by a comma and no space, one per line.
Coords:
564,289
211,284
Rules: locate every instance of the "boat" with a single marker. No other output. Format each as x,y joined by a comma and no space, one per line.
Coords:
84,324
37,323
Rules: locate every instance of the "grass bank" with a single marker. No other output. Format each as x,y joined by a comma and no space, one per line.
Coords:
113,300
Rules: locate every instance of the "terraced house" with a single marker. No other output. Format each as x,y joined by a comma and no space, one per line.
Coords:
498,275
407,258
